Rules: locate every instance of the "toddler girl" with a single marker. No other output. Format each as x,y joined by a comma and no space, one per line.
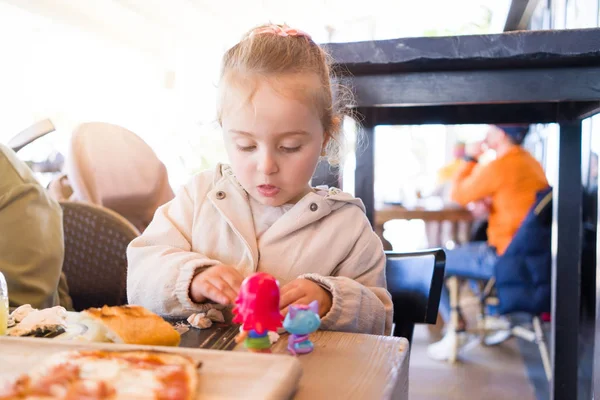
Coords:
259,213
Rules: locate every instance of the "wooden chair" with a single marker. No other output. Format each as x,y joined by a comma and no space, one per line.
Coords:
95,263
415,282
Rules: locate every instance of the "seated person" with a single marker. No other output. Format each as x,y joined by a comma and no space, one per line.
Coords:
508,185
447,172
31,254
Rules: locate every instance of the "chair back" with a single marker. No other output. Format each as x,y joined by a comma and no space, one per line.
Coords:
111,166
95,263
415,282
524,272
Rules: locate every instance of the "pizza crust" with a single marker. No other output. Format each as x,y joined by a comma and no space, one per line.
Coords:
133,325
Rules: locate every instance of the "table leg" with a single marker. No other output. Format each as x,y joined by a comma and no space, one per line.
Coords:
566,263
455,232
453,287
433,232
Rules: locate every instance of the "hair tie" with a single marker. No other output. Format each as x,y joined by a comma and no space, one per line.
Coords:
280,30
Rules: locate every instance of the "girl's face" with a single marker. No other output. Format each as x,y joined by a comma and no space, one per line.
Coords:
274,140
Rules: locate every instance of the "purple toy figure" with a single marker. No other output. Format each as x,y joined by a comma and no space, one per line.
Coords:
300,321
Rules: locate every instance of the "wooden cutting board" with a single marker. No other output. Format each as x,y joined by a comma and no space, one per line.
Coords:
223,374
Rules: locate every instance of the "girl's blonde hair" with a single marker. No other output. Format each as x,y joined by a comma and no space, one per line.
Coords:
269,51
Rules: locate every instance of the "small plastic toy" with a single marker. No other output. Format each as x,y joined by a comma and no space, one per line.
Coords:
301,321
257,309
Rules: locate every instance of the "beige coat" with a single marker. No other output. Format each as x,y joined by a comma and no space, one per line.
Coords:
326,239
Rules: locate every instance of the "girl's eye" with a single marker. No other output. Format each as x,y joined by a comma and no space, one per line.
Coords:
246,148
290,149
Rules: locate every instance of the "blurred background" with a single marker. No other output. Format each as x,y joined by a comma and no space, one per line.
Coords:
152,66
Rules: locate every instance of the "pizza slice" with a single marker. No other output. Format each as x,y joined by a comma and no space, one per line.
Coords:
102,374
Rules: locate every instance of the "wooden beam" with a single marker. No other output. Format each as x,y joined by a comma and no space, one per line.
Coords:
482,86
587,110
485,113
525,49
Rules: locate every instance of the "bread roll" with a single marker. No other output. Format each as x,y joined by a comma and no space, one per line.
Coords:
133,325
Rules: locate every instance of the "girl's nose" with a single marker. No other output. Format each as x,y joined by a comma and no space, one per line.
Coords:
267,164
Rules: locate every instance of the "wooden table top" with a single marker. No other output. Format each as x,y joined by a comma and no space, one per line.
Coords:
351,366
343,365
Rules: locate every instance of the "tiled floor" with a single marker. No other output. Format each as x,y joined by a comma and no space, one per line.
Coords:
483,373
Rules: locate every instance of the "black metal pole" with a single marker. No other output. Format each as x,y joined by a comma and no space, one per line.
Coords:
364,175
566,263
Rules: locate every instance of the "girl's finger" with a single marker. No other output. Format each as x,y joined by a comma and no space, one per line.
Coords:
234,279
224,288
290,297
215,294
287,287
303,300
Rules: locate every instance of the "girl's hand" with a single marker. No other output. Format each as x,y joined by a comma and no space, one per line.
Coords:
303,291
220,284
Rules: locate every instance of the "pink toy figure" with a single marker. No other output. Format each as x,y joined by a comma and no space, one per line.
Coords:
257,309
301,321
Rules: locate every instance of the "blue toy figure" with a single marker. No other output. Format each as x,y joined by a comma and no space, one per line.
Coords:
300,321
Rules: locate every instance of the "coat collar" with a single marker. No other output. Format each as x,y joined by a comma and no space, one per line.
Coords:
231,200
309,209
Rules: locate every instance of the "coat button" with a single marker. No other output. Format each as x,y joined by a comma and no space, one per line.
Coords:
314,207
220,195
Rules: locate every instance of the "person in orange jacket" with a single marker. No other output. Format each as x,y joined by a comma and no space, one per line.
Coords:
507,186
